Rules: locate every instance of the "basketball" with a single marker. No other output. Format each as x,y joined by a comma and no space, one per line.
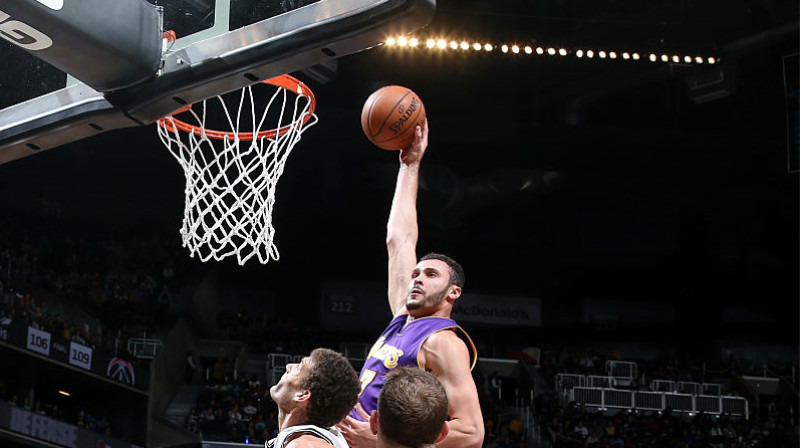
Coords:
390,115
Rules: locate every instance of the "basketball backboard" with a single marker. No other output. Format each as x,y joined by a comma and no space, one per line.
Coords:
92,69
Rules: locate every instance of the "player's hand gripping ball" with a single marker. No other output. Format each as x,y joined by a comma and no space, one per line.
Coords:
390,115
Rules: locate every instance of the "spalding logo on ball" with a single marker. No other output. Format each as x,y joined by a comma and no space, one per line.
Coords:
390,115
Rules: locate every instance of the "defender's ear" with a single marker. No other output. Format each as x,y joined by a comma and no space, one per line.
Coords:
445,431
302,395
373,422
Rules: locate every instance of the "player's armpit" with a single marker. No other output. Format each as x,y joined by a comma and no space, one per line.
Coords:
446,355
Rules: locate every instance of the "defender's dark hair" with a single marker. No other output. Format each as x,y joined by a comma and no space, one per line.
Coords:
456,271
412,407
334,388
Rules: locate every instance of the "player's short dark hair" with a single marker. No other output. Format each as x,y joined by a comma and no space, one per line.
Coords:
334,388
412,407
456,271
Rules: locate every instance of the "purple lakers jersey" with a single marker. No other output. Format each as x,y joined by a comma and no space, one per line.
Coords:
399,345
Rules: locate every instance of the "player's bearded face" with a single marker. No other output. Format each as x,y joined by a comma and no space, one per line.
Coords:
429,300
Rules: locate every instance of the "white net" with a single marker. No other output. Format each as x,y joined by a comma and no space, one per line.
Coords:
231,176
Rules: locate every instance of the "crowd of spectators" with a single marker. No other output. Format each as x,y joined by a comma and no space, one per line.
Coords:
503,427
94,287
85,417
573,426
239,411
46,315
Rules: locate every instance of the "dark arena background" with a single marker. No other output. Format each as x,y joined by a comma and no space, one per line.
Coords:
628,227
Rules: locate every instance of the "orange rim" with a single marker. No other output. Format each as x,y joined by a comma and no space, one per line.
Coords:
284,81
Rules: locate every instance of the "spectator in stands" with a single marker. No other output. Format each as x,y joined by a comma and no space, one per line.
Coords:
234,417
249,411
312,396
496,383
581,430
208,416
193,420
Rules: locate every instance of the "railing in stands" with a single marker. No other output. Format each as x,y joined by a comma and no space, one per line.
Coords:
533,432
144,348
276,365
663,386
687,387
605,398
711,389
274,375
355,351
623,371
278,360
601,381
570,380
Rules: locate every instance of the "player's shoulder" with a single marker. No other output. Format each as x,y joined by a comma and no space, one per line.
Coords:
308,441
446,338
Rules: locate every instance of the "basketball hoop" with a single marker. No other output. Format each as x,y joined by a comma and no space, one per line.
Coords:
231,175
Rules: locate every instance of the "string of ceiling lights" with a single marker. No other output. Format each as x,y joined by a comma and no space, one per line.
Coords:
440,44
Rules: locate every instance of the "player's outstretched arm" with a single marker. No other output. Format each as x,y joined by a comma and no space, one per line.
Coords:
446,355
401,229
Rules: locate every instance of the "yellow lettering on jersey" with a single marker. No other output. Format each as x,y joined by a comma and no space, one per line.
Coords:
386,353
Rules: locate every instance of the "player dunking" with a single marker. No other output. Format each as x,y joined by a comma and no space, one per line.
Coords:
421,296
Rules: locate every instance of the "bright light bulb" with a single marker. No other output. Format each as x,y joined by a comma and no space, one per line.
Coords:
515,48
402,41
441,43
626,56
601,54
635,56
476,46
464,45
413,42
676,59
579,53
687,59
562,51
589,53
539,50
551,51
528,49
698,59
664,58
712,61
430,43
612,55
653,57
454,45
391,41
504,48
488,47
